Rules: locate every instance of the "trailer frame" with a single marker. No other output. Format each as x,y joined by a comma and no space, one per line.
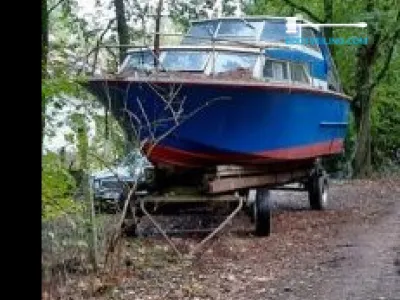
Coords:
226,183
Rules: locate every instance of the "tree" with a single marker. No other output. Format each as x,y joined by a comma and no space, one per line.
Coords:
80,123
71,49
382,43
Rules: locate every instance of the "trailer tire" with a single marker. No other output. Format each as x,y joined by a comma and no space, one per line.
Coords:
318,191
262,212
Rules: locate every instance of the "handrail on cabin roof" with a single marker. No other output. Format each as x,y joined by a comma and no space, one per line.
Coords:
299,18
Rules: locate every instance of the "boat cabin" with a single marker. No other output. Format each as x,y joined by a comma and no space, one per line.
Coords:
251,48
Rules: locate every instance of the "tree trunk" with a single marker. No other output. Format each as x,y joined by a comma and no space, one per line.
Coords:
45,50
361,105
362,158
83,146
122,28
362,109
45,36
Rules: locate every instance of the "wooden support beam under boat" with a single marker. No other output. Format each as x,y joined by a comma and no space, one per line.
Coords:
245,170
222,185
233,170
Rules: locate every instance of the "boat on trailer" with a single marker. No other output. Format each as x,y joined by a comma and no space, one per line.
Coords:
237,105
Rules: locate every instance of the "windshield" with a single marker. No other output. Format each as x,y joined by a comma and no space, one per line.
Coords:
184,60
240,29
194,61
203,30
275,31
143,60
172,60
232,61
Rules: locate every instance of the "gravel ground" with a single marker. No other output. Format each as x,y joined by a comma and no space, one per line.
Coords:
350,251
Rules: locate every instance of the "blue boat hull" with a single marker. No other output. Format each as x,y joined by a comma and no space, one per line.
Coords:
211,124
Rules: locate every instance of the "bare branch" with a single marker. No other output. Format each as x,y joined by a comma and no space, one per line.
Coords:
145,116
191,115
167,103
98,42
96,49
54,6
304,10
132,115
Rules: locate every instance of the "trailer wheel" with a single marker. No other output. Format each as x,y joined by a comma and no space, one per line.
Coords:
262,212
318,191
249,209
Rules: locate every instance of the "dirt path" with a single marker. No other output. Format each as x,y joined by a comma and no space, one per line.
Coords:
368,268
364,263
351,251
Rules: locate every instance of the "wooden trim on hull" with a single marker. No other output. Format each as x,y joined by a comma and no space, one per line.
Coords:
285,87
170,156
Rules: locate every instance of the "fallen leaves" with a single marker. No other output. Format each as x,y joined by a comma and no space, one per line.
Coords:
238,265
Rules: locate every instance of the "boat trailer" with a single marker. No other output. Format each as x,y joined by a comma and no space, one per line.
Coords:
240,187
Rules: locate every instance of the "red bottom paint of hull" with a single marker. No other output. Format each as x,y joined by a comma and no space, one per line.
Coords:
159,154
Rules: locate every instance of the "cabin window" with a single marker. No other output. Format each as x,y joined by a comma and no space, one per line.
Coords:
298,73
240,29
203,30
276,70
143,60
231,61
274,32
184,60
309,39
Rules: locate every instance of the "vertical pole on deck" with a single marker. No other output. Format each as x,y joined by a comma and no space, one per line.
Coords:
157,35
